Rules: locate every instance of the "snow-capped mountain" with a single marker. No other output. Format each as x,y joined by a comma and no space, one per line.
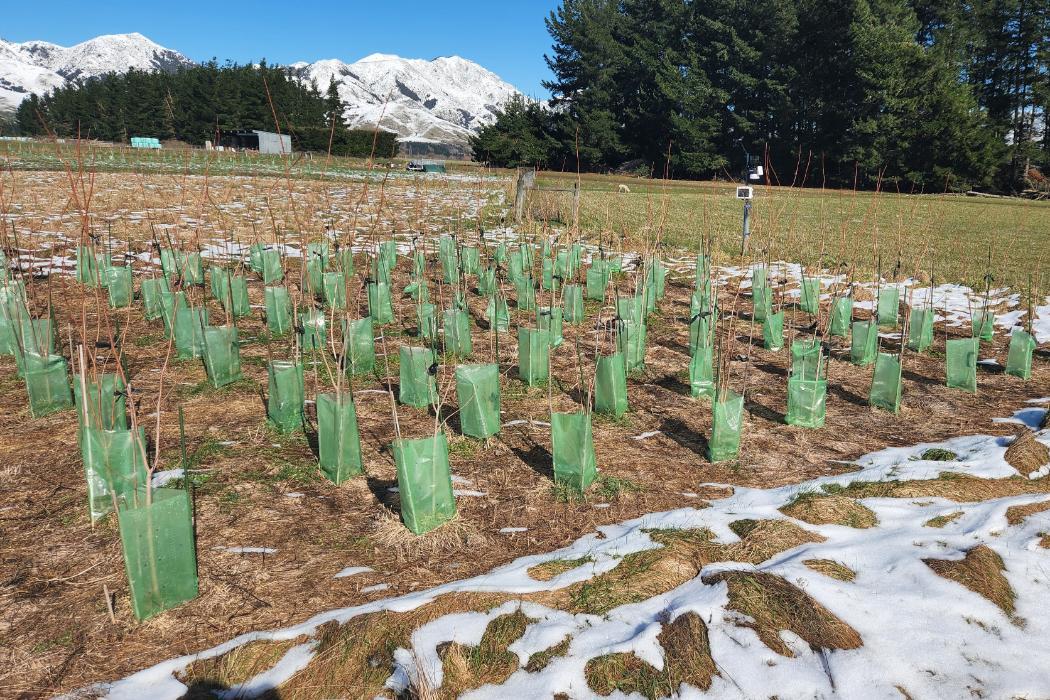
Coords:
40,66
441,101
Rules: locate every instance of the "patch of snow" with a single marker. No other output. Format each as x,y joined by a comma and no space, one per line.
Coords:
247,550
509,530
377,587
353,571
162,478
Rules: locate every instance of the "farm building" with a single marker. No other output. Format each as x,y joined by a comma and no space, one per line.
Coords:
255,140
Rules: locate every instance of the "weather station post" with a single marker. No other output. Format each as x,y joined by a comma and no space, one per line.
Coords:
746,192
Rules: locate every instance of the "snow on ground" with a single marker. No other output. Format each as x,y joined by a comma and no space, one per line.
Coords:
920,632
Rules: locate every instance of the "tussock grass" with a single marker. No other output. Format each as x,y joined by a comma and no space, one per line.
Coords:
550,569
942,520
540,660
818,509
773,605
687,659
388,532
468,667
1026,454
981,570
1015,515
832,568
237,666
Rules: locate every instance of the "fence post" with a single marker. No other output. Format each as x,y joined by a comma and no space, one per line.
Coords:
576,205
526,180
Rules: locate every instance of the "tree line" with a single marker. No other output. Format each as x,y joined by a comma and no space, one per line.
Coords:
194,104
913,94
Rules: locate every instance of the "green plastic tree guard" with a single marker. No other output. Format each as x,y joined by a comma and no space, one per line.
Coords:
526,292
319,253
864,345
550,320
359,342
255,251
418,386
114,465
171,264
659,278
889,301
171,303
886,383
497,313
345,259
920,329
189,332
284,406
151,290
597,281
762,299
701,331
701,373
380,306
984,324
334,290
807,359
572,441
487,282
314,278
470,260
477,389
630,340
610,385
1019,358
450,268
841,317
107,404
810,295
87,266
702,271
807,401
961,363
272,271
160,556
562,265
424,482
234,296
533,355
222,355
726,423
547,276
615,263
338,439
47,384
759,275
218,281
630,309
278,310
702,303
119,285
457,333
102,263
572,303
773,332
36,336
192,269
648,295
388,254
426,319
312,333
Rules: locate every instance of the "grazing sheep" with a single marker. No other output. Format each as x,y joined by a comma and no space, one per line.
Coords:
624,188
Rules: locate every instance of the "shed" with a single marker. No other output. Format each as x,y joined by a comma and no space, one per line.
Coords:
255,140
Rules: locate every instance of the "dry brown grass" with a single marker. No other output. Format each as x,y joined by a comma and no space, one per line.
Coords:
942,520
235,667
1026,454
1015,515
832,568
457,535
773,604
816,509
488,662
550,569
981,570
687,659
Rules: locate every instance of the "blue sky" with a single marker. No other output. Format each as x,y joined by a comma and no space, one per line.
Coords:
505,36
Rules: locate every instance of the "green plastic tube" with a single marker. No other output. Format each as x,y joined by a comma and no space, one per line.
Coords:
478,392
533,355
807,402
773,332
457,333
284,405
338,439
886,383
573,447
222,355
1019,358
961,363
278,310
864,345
418,385
424,482
359,340
610,385
726,423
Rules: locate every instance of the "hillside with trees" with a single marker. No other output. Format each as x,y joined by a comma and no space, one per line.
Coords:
194,104
912,94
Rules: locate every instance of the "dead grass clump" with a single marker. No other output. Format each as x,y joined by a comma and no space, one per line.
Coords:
390,533
981,570
766,539
773,604
951,485
818,509
1015,515
556,567
832,568
356,658
488,662
1026,454
687,659
234,667
942,520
